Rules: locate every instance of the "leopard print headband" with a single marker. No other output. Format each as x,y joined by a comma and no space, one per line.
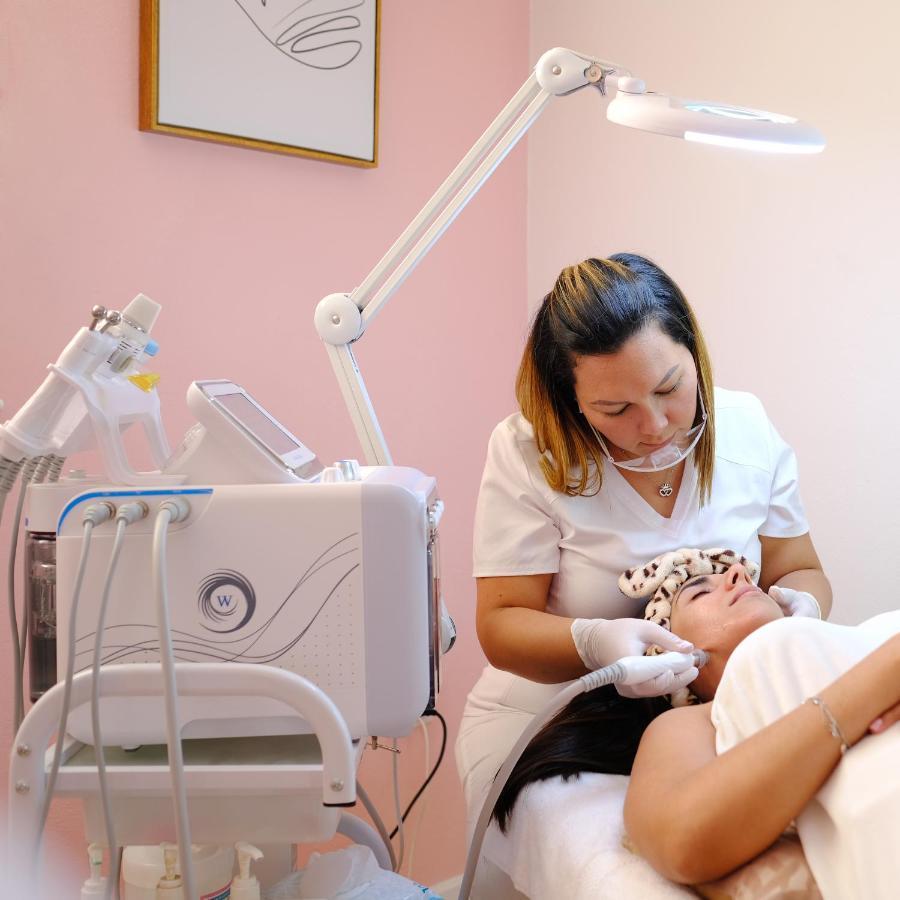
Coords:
661,579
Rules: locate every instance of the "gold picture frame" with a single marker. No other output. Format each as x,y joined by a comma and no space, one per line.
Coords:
286,76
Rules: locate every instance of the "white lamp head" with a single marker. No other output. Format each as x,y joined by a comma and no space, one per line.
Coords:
710,123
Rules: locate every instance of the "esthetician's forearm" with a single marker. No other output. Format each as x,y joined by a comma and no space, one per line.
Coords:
531,643
812,581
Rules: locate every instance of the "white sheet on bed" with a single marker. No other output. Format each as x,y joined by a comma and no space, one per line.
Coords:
565,841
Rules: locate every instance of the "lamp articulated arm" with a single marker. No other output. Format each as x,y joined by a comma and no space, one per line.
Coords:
342,319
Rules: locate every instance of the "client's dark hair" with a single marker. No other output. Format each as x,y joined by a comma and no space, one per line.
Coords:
599,731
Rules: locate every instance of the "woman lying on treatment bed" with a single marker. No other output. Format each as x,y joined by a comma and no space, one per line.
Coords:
695,815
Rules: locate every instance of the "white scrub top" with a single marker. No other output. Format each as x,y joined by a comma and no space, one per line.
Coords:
523,527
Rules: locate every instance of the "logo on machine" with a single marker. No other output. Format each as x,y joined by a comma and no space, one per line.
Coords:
227,601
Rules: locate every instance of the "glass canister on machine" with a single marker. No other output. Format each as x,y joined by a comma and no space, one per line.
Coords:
40,606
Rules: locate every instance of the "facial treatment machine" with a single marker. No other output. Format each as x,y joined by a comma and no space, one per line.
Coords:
330,573
262,557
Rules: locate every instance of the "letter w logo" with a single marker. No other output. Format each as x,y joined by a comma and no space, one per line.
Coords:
224,600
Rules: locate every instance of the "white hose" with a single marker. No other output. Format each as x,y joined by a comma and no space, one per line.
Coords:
361,832
421,817
9,472
99,754
67,690
379,823
168,512
395,773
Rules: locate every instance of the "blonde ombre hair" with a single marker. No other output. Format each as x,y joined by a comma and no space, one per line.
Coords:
593,309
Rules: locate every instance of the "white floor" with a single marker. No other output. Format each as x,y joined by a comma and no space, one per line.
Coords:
448,889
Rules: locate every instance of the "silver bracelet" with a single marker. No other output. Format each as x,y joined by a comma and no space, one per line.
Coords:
830,721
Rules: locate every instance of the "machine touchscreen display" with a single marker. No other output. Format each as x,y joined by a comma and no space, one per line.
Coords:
259,424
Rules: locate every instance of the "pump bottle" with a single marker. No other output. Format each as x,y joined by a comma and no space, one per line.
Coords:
95,886
170,886
245,886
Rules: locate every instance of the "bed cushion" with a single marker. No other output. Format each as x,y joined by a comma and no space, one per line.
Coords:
779,872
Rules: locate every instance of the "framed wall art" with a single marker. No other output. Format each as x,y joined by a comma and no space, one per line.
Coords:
289,76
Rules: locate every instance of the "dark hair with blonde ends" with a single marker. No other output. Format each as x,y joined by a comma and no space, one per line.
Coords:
593,309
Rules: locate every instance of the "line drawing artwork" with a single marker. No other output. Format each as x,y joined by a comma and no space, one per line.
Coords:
286,76
323,40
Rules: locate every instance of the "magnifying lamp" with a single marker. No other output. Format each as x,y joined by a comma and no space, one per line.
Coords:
710,123
341,319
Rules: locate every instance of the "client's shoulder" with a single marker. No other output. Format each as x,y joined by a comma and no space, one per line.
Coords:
688,726
675,743
681,716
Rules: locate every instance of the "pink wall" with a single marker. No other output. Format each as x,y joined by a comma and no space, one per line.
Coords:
239,246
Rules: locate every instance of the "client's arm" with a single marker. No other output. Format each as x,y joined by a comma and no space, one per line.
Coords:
697,816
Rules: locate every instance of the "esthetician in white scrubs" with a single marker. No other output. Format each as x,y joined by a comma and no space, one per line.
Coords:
622,451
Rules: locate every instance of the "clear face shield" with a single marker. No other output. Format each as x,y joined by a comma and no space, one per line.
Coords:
665,457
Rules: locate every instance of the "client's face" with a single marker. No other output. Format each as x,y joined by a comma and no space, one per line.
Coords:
715,613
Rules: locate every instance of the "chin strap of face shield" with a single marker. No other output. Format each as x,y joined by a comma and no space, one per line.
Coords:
679,447
628,670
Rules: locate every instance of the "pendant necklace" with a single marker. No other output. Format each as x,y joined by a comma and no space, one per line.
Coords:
666,489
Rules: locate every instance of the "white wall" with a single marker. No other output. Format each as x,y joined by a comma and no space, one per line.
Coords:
789,261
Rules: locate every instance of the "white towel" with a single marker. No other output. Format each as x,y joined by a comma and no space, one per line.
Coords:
565,841
851,830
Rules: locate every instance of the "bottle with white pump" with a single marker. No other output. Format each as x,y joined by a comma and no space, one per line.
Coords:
170,886
245,886
143,866
95,886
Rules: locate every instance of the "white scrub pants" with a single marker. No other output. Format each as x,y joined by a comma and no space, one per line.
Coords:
497,711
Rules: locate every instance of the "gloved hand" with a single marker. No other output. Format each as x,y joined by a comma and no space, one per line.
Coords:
796,603
600,642
661,674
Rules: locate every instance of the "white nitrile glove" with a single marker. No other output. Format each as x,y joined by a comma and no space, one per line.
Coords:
601,642
796,603
652,676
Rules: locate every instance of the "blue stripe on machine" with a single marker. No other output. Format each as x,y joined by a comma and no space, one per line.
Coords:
93,495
